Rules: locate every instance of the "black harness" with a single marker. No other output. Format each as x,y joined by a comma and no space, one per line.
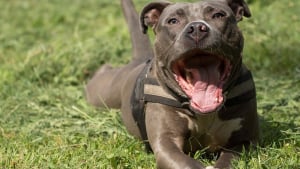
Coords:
140,98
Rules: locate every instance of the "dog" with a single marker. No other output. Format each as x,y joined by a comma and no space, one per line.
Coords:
189,92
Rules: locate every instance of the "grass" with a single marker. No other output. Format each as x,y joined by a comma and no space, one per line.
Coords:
49,49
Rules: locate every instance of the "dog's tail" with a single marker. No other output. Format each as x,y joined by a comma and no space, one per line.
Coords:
141,45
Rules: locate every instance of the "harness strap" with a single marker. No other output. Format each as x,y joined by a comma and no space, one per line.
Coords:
241,98
162,100
242,91
137,104
154,93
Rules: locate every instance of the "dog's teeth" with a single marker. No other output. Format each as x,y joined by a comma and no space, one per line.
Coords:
189,76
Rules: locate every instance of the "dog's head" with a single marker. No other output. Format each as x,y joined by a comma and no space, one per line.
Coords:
198,48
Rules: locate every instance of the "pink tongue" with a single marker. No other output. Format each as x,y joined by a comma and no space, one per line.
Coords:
206,95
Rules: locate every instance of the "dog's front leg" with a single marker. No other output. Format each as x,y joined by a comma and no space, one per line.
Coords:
169,156
225,159
228,155
167,133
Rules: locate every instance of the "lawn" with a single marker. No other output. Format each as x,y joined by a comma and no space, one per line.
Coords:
49,49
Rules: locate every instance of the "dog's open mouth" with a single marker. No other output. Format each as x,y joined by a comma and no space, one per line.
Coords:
202,76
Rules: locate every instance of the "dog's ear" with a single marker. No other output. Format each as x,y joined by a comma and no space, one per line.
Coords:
151,13
239,8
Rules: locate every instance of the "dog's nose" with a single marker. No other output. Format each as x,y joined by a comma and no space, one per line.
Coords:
197,30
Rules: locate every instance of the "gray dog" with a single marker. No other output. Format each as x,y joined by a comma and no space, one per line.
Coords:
192,91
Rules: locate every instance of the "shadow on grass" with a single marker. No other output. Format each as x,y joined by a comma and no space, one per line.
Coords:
275,134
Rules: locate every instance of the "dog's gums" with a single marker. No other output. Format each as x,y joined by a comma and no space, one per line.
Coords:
202,76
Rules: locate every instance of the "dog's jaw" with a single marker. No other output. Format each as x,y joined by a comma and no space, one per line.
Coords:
202,77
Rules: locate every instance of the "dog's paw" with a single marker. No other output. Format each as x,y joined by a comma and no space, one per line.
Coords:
210,167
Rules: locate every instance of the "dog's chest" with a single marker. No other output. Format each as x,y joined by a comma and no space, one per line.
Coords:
210,131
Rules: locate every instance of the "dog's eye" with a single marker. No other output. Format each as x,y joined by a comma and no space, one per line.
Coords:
218,15
173,21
